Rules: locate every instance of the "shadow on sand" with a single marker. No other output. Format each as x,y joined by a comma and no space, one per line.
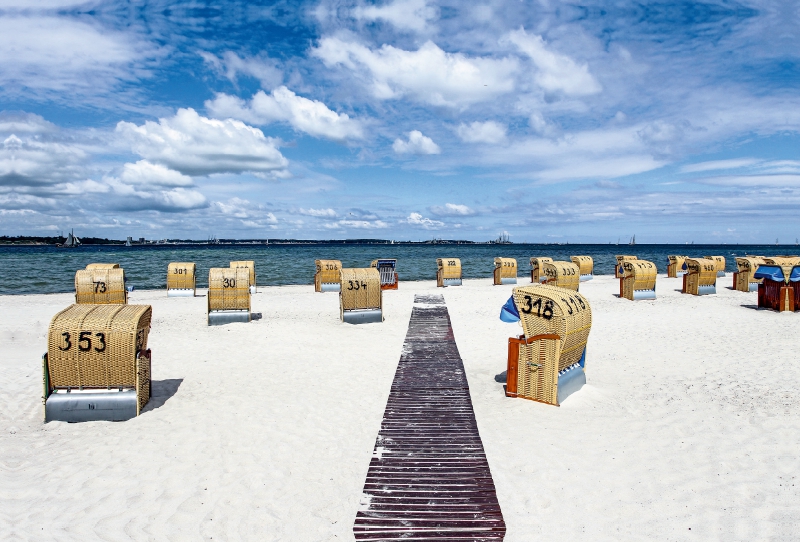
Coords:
160,392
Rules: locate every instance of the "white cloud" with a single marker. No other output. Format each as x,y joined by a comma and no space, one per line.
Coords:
282,105
244,211
555,72
29,162
416,219
319,213
24,123
452,209
195,145
358,225
712,165
402,14
429,74
62,53
482,132
416,144
144,173
263,68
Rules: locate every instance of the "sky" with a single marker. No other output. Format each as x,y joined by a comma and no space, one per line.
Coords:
404,119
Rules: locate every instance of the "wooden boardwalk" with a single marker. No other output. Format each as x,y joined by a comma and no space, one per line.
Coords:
428,478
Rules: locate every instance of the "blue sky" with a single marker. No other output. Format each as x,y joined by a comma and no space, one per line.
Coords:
407,119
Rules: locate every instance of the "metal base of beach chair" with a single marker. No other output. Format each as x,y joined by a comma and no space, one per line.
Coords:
752,286
706,290
720,273
508,280
218,318
180,292
644,294
451,282
330,287
586,277
366,316
87,406
252,289
569,381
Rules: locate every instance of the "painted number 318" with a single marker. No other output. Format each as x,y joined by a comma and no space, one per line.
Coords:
545,311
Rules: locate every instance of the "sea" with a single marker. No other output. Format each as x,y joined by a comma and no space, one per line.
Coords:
48,269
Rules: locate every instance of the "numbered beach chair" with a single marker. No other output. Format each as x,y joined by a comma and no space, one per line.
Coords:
743,279
562,274
326,279
103,266
700,277
250,265
97,365
638,280
505,271
585,266
448,272
360,296
387,268
779,290
618,266
537,275
546,363
181,279
101,286
228,295
675,266
719,262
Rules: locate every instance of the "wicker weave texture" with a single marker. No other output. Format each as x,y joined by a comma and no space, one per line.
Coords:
327,273
719,262
700,272
638,275
562,274
95,346
101,286
746,268
675,265
618,267
229,289
536,268
546,310
181,276
447,268
585,264
360,289
103,266
504,268
250,265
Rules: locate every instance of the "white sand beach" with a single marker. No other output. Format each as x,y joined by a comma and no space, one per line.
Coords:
688,428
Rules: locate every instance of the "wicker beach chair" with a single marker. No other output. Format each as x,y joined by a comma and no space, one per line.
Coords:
228,295
546,364
638,280
326,279
536,269
97,365
618,266
719,262
743,279
585,266
675,266
103,266
250,265
779,289
387,268
360,296
700,277
181,279
101,286
562,274
505,271
448,272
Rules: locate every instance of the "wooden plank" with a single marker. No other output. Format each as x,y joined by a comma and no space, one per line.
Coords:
429,478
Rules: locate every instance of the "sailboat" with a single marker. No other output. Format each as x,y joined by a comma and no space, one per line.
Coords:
71,241
633,240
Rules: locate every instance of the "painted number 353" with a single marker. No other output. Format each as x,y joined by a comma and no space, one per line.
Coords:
84,341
